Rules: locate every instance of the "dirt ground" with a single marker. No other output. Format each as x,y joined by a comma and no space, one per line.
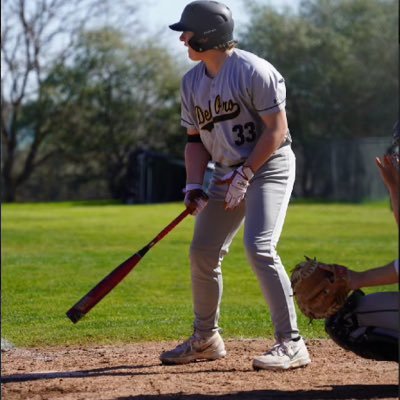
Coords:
135,372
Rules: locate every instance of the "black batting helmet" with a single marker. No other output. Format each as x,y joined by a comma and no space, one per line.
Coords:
210,21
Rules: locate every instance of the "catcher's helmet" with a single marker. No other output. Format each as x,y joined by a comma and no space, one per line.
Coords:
394,147
210,21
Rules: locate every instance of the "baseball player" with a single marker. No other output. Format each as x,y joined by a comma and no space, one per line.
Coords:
233,107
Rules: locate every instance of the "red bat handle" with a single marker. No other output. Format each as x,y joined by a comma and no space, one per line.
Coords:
87,302
167,229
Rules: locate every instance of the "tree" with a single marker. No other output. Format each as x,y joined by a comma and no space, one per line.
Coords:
34,36
114,99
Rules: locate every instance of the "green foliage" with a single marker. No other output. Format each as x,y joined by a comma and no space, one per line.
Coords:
124,103
116,89
340,62
109,101
52,254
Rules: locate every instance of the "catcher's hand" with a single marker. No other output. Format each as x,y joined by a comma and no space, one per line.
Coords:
320,289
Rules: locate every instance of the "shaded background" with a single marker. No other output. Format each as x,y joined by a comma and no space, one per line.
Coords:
90,95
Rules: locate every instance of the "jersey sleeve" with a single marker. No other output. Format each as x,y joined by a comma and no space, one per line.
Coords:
187,108
268,89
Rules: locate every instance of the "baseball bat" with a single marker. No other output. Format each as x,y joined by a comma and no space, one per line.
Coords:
89,300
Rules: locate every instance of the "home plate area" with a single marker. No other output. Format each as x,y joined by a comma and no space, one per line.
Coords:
134,372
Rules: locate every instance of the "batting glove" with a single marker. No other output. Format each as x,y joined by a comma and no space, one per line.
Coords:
195,198
238,181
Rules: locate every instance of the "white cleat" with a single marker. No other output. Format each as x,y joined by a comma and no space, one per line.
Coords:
284,355
195,348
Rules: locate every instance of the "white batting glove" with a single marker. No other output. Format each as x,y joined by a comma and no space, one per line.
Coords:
238,181
195,198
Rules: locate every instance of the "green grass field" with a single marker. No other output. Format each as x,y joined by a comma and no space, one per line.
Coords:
52,254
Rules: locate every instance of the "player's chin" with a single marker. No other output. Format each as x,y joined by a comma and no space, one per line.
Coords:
194,55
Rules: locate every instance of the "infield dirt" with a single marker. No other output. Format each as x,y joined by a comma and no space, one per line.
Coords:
134,372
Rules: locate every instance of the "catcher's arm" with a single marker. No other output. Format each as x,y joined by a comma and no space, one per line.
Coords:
384,275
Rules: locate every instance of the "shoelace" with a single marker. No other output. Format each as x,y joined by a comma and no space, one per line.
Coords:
279,349
188,344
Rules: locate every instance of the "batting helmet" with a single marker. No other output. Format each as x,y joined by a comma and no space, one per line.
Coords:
210,21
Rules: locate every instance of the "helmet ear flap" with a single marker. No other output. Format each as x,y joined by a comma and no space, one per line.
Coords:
216,40
199,44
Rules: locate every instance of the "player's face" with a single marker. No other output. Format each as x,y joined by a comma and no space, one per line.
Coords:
185,37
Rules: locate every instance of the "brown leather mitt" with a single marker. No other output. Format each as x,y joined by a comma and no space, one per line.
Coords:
320,289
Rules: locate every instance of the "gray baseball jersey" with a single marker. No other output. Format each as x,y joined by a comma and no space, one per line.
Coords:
227,109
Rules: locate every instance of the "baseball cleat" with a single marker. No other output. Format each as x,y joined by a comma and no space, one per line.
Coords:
284,355
195,348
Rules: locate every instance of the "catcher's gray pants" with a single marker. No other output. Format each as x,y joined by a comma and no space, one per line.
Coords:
379,310
263,211
368,325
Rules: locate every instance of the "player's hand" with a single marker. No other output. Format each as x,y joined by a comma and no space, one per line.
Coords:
195,198
238,182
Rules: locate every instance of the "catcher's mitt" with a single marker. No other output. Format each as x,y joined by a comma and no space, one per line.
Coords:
320,289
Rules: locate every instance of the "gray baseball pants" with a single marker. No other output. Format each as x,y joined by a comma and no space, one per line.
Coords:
263,213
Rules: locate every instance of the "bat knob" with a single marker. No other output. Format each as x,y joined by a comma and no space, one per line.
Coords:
75,315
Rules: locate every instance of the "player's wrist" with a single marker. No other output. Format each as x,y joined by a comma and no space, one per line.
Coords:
193,186
355,279
247,172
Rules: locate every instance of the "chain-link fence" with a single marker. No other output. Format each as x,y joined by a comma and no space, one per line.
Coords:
341,170
335,170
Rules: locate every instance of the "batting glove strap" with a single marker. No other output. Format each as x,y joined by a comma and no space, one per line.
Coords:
247,172
192,186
